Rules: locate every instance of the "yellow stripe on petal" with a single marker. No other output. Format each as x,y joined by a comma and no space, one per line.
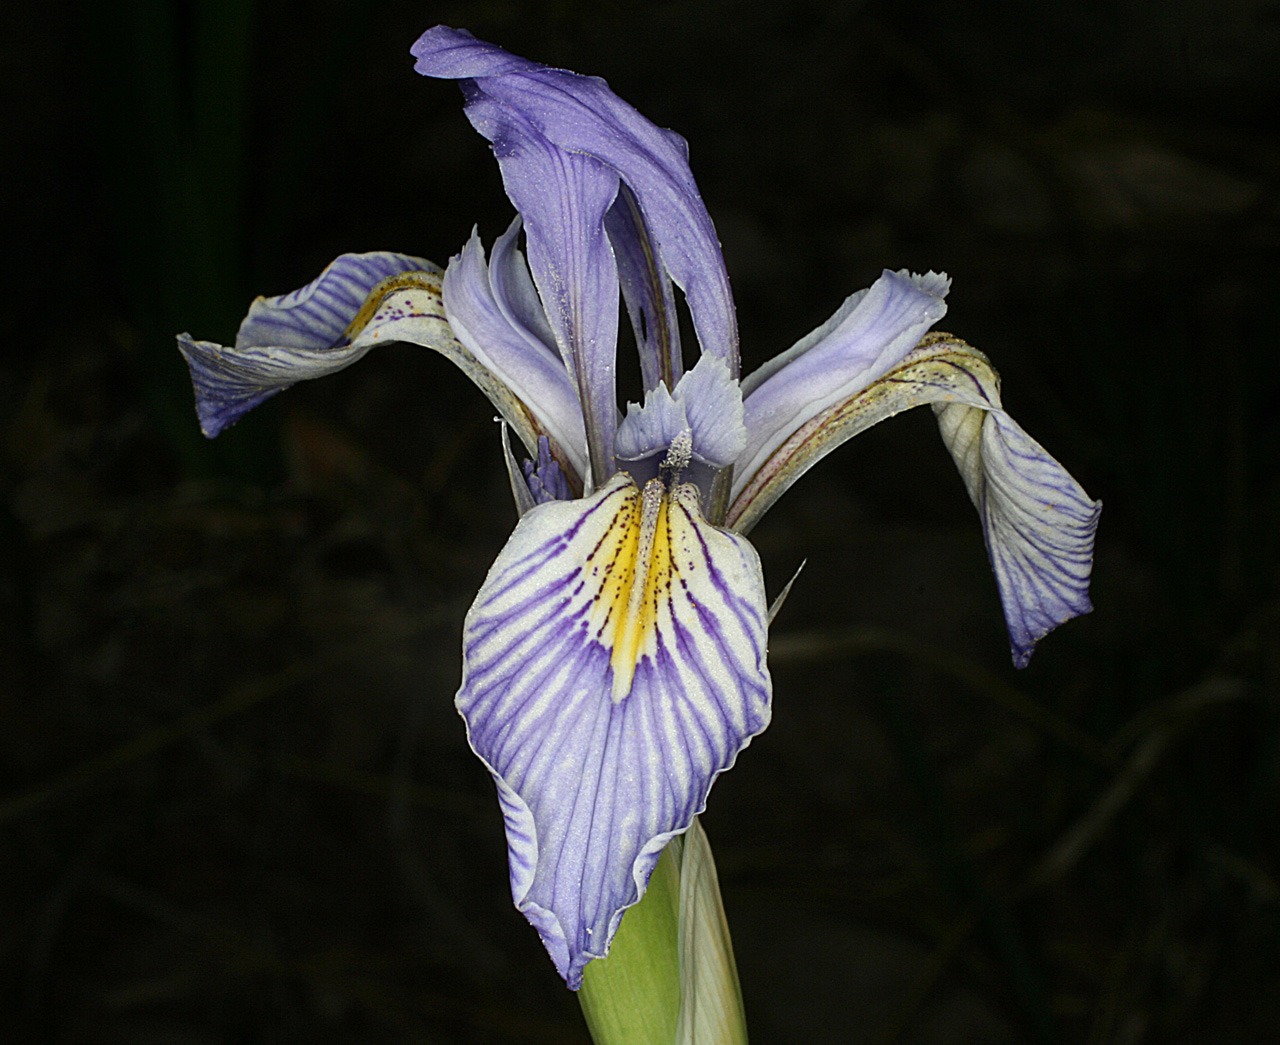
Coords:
634,568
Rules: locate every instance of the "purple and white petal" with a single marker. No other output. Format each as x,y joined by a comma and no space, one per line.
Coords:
1038,522
868,336
489,311
410,308
582,116
317,315
286,339
613,666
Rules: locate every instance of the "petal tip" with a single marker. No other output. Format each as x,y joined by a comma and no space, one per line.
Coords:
935,284
1023,640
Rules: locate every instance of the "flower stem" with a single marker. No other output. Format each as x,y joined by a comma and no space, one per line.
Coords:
670,977
633,995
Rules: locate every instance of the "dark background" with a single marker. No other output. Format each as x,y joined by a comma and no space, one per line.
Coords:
238,805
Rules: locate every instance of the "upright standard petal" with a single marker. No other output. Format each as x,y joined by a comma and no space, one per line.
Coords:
646,288
562,198
1038,522
868,335
581,115
614,665
494,311
287,339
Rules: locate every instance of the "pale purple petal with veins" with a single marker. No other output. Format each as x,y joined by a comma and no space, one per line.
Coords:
286,339
1038,522
492,310
595,777
868,335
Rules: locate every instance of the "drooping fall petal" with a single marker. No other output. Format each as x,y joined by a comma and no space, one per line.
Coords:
614,665
289,338
325,327
1038,522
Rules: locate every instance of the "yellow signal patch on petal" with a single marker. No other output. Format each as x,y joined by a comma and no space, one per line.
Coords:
633,565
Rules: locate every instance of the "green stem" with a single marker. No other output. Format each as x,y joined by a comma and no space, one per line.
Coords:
670,977
633,995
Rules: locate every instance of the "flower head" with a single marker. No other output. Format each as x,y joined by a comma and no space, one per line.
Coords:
614,658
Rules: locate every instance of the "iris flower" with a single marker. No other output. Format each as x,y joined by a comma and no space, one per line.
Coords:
614,659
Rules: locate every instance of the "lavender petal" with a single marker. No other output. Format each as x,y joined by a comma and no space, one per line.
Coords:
582,116
868,336
1038,522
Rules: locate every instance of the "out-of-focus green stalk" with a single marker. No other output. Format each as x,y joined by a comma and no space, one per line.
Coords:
711,1010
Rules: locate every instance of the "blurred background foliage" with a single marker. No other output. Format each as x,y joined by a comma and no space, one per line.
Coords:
238,805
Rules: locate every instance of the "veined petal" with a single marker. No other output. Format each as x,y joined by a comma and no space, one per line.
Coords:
562,198
406,307
613,666
581,115
1038,522
493,311
286,339
868,336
